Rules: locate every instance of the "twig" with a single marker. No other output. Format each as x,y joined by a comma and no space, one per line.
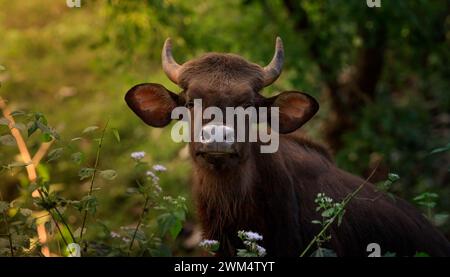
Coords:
144,210
65,224
41,152
97,158
347,199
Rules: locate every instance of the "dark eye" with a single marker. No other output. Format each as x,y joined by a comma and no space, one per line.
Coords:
189,104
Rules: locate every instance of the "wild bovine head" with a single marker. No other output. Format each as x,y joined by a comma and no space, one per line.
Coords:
220,80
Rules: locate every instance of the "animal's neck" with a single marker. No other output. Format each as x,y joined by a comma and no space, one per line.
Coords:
224,198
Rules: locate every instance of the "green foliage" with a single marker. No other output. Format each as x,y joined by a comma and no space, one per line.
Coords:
386,186
329,211
426,199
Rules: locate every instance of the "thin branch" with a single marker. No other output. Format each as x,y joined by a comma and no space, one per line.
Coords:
144,210
97,159
43,149
65,224
346,200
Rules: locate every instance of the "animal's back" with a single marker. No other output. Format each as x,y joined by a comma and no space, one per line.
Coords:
371,217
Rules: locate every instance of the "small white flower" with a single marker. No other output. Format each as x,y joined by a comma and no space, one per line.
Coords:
261,251
159,168
252,236
126,240
114,235
152,175
158,188
73,250
137,156
208,243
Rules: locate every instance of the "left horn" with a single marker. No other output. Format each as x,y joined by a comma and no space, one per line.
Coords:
273,70
170,66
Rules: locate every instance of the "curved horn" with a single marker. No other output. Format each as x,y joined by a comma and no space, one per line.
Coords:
273,70
170,66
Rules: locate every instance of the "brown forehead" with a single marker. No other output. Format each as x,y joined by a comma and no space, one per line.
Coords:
237,90
221,74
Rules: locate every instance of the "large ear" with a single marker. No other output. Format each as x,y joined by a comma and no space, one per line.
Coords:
153,103
295,109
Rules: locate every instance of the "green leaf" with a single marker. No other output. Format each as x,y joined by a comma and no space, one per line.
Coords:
77,157
86,172
90,129
175,229
89,203
245,253
180,214
17,164
3,206
46,137
441,149
7,140
166,222
108,174
328,212
32,127
55,154
161,250
116,134
393,177
17,113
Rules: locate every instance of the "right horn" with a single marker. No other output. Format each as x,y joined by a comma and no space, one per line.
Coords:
170,66
273,70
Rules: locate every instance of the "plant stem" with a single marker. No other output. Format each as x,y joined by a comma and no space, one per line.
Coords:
59,229
65,224
54,219
347,199
144,210
97,159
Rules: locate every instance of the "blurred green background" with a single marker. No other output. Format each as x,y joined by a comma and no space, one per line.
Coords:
381,76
